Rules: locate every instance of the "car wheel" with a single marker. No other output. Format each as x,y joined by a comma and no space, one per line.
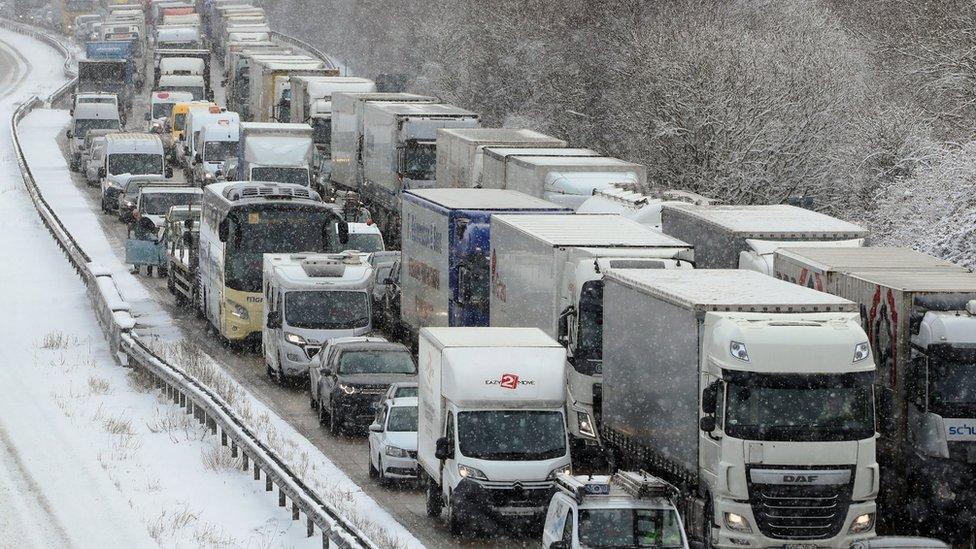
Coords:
311,401
321,414
434,505
272,375
373,472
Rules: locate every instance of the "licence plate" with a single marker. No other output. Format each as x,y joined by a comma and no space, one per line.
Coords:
800,546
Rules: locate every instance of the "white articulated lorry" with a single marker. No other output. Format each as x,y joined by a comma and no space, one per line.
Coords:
460,151
562,179
400,153
920,316
745,237
491,435
547,272
752,395
347,132
642,208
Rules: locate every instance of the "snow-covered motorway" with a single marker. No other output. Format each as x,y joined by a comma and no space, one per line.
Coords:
102,237
90,455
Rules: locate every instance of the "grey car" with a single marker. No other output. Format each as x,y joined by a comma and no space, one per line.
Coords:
351,376
382,263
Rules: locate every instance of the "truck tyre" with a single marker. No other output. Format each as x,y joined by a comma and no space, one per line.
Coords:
708,519
433,499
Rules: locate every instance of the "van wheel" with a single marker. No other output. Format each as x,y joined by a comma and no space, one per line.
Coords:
434,503
455,520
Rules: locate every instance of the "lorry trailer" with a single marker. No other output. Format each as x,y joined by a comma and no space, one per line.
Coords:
460,151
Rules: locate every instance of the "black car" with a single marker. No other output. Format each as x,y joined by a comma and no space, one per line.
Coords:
352,375
390,302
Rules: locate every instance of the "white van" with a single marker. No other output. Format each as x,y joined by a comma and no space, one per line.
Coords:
128,155
90,116
161,105
195,121
310,299
215,143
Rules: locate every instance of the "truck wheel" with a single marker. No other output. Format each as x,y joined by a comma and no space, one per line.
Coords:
707,519
434,503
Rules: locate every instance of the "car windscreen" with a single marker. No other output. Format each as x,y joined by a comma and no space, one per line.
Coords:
160,203
403,419
376,362
365,242
615,528
83,125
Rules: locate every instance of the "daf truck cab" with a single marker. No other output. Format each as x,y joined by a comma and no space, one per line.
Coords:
310,299
492,430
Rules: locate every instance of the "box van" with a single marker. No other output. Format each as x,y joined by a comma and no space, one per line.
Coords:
161,104
492,429
90,116
128,155
214,144
195,120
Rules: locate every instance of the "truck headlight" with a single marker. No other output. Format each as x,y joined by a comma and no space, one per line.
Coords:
471,472
238,310
585,424
295,339
348,389
739,351
737,523
562,469
863,523
861,351
393,451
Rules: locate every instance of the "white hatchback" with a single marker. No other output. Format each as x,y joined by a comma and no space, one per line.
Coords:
393,440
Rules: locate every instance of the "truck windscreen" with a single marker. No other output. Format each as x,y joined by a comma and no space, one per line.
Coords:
512,435
795,407
590,346
605,528
420,161
273,229
135,163
298,176
952,388
324,310
322,132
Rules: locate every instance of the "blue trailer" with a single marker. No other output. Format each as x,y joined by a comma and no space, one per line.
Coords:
445,267
116,50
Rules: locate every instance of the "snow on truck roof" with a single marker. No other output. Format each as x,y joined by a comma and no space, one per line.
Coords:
505,152
865,259
502,136
319,271
944,281
772,220
488,337
589,230
483,199
728,290
422,109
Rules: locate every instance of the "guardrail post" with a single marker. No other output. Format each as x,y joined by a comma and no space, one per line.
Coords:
267,483
245,466
309,527
223,438
257,471
233,449
294,510
281,497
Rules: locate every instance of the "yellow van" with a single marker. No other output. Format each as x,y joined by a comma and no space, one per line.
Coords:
177,119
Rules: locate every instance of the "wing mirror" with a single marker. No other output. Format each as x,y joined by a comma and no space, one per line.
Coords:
223,231
198,158
710,398
343,232
101,172
444,449
375,427
707,424
148,117
69,134
169,172
274,320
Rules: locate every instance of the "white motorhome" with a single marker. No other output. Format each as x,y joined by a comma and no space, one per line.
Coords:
89,116
492,433
128,155
309,299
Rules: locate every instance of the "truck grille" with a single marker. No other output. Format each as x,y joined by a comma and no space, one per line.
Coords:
794,512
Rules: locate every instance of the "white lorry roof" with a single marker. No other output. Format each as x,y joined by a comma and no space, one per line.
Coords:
275,127
192,65
422,109
865,259
774,220
501,136
85,111
588,230
482,199
489,337
570,162
319,271
934,281
732,290
502,152
140,143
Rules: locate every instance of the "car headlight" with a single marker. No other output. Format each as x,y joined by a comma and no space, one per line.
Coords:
238,310
861,351
562,469
471,472
208,175
737,523
295,339
586,426
863,523
393,451
739,351
348,389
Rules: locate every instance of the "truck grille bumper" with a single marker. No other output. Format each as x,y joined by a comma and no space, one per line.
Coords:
800,512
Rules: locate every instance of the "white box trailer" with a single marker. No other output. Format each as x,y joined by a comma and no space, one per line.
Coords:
460,151
752,395
731,237
491,433
400,153
547,272
265,83
347,132
920,314
567,179
494,161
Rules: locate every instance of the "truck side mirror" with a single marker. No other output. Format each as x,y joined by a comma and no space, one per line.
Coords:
274,320
188,239
69,134
885,410
707,424
326,372
148,117
101,172
562,335
375,427
444,449
710,398
223,231
197,159
343,227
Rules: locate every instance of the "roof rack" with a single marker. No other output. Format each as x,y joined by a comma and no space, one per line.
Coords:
578,490
644,485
